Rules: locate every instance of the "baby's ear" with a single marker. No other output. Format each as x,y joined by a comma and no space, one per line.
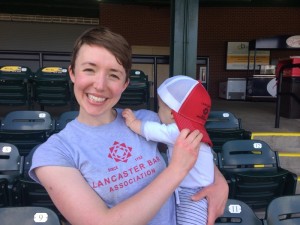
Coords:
171,111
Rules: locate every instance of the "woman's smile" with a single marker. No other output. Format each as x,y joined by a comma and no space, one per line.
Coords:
95,99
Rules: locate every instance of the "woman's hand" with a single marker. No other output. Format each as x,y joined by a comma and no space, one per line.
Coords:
186,149
216,195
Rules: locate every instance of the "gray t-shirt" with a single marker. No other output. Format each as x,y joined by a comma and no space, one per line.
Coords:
116,162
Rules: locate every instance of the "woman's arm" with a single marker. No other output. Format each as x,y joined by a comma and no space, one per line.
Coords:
216,195
81,205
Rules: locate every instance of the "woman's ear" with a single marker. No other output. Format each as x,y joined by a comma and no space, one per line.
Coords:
126,84
71,74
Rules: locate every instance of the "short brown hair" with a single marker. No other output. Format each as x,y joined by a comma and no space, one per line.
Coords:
104,37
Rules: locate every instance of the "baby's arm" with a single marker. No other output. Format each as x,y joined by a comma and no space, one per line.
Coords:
131,121
151,130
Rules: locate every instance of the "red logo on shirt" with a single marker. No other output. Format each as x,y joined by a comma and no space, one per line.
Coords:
119,152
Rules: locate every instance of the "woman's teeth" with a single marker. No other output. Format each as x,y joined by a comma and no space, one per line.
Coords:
96,99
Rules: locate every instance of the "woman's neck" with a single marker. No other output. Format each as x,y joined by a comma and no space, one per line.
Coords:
99,120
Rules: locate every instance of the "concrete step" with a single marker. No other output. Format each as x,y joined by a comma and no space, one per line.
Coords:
280,141
290,161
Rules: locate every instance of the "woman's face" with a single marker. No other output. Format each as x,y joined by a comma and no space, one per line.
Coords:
99,81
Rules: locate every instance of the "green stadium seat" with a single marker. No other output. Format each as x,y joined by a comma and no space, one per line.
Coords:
4,195
238,212
222,120
26,129
15,88
52,87
283,210
223,126
138,91
252,170
65,118
28,216
10,169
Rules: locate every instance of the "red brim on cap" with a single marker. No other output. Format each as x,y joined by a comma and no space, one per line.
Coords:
183,122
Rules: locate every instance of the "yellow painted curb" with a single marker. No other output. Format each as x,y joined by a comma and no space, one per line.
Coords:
284,134
289,154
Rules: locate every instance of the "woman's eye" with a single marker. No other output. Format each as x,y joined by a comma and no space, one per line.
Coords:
88,70
114,76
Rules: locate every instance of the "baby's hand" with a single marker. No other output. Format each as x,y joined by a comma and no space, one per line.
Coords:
128,116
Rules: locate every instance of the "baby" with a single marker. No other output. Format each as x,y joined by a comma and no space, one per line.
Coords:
183,103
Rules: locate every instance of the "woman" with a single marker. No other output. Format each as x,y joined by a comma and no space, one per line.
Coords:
96,155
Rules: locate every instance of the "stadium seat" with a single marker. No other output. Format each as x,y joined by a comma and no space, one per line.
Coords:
252,170
216,159
284,210
138,91
222,120
26,129
238,212
65,118
52,87
4,196
28,216
223,126
220,136
15,86
11,164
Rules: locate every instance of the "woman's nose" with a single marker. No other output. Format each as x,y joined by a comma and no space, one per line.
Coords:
99,82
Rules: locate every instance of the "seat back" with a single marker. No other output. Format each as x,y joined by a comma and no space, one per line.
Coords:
65,118
11,167
138,90
284,210
222,120
52,87
27,120
247,155
216,158
10,161
257,190
223,126
4,196
28,216
15,86
238,212
253,173
26,129
27,164
220,136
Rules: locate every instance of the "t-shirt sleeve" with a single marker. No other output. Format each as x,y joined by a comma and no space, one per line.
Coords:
50,153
